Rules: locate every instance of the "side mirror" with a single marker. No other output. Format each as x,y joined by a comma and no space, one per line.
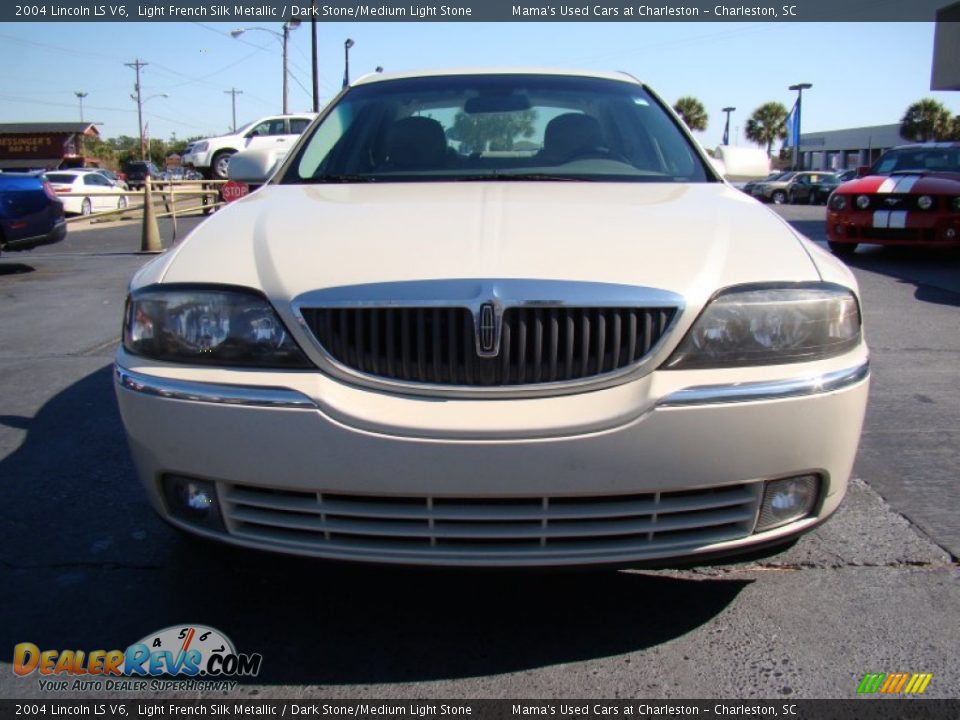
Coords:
863,170
253,166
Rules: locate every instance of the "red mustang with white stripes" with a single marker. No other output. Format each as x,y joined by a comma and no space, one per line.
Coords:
911,196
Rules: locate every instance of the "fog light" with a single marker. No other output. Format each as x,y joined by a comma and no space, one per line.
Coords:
193,501
924,202
863,202
951,233
787,500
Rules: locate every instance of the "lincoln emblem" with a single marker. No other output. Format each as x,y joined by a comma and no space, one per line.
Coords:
487,328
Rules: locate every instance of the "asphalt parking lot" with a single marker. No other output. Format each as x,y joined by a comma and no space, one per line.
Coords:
88,565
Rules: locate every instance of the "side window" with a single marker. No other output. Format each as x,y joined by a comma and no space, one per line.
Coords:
260,130
92,179
298,125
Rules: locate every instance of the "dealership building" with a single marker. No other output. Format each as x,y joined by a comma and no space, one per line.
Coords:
844,149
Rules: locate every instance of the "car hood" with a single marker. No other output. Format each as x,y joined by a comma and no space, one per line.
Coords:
689,239
914,183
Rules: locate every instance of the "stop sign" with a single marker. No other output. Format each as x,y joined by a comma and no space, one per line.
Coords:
234,190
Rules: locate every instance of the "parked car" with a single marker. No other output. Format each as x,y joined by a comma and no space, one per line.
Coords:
812,187
30,212
83,192
135,173
910,196
412,346
110,175
774,190
748,187
211,156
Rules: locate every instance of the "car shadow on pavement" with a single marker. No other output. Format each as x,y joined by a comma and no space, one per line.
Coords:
934,272
88,566
14,268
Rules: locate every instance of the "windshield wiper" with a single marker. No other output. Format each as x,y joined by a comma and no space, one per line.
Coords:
529,176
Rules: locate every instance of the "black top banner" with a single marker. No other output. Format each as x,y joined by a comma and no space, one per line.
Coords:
473,11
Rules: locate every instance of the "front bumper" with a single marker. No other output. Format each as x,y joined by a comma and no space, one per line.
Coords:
669,467
196,159
885,227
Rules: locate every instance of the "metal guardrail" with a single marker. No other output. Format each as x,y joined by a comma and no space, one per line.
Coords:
169,191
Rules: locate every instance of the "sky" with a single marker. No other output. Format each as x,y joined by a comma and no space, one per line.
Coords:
862,73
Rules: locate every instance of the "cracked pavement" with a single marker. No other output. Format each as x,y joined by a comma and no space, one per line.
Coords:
86,565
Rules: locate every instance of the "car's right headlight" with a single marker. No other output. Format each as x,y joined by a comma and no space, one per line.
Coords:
769,325
200,146
838,202
228,327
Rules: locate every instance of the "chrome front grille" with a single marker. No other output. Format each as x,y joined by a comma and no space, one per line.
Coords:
477,531
437,345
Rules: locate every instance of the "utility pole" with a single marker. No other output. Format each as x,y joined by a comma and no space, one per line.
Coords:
313,52
80,96
233,92
136,65
726,127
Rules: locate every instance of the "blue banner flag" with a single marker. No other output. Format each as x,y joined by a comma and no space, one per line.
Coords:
792,124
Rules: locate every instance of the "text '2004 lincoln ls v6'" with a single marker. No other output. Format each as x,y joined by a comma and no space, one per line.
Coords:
509,318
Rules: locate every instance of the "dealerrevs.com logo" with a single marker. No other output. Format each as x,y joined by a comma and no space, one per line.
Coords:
188,657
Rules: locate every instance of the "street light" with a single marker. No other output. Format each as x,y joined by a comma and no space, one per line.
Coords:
284,39
347,44
799,87
80,96
726,128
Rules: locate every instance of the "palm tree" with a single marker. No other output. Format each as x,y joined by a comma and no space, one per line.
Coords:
692,112
925,120
766,125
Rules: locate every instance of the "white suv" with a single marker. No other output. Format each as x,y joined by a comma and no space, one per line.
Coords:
211,156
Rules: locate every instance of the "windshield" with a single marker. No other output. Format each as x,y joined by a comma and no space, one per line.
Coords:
497,127
917,159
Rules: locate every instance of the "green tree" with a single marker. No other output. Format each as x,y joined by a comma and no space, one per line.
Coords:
766,125
954,129
925,120
491,131
692,112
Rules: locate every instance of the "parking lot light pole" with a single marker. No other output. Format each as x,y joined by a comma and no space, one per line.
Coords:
284,38
799,87
347,44
80,96
726,128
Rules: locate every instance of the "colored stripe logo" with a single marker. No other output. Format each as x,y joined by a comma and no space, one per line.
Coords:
894,683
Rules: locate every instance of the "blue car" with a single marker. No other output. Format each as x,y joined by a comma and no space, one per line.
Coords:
30,212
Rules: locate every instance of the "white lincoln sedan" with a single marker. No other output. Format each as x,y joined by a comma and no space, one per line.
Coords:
494,318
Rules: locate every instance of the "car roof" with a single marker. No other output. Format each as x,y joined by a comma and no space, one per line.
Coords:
380,77
927,146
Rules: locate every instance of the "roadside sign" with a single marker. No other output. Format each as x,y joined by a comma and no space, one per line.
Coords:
234,190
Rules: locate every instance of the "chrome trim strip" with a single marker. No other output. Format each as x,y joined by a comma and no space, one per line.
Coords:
243,395
473,293
773,390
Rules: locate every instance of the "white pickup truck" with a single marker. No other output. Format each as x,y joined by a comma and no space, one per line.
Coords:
210,156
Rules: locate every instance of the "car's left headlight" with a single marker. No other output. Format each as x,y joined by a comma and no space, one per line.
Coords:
770,325
208,326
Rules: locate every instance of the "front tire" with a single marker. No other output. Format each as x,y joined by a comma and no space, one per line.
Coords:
842,249
86,207
779,197
218,167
